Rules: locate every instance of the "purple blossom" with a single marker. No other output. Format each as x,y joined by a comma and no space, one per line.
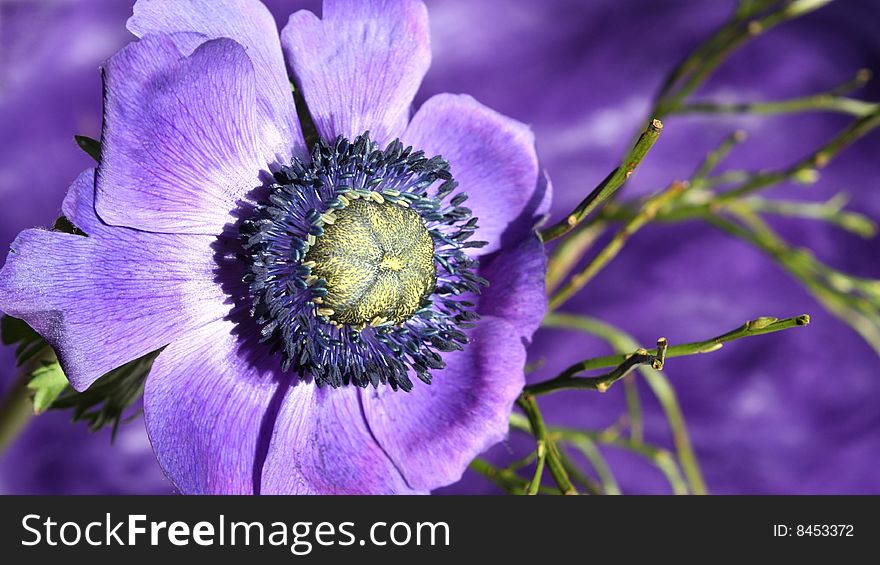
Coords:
204,219
582,80
50,88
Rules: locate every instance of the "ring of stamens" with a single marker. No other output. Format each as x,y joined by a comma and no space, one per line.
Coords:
356,265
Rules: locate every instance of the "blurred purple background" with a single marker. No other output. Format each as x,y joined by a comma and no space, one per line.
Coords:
794,412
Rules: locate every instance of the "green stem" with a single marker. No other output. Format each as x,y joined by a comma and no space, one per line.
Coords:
591,453
668,400
535,484
832,101
663,459
16,410
634,409
645,215
859,313
758,326
657,382
522,463
714,158
570,251
861,78
609,186
821,102
579,476
830,211
505,479
747,182
530,407
568,380
696,58
812,162
720,46
657,456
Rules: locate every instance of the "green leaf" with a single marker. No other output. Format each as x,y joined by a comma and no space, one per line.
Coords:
64,225
28,343
108,400
47,382
13,330
43,373
91,146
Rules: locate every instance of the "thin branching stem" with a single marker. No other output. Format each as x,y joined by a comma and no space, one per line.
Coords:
644,216
608,186
758,326
544,444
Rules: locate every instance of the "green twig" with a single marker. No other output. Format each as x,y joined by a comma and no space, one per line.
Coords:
820,102
831,211
579,476
668,400
699,203
663,391
758,326
661,388
721,45
570,251
634,409
505,479
696,58
608,186
657,456
535,483
569,380
861,78
834,100
860,313
645,215
591,453
522,462
16,410
661,458
551,453
715,157
817,160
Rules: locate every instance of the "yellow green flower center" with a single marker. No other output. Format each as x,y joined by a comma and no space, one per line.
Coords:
378,260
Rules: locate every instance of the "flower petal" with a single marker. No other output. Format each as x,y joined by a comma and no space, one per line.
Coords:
184,140
516,290
249,23
322,445
208,407
111,297
360,66
493,159
433,432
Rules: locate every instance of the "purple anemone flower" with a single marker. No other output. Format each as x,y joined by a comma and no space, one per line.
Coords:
332,317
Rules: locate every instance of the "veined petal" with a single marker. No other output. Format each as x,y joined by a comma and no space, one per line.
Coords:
360,65
322,445
516,291
111,297
184,140
433,432
493,159
208,407
248,22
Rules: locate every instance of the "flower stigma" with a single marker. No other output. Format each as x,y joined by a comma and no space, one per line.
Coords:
378,261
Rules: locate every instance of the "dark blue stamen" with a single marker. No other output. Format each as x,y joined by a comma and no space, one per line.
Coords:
289,301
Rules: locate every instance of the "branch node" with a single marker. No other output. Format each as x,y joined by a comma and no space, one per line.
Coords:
660,360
